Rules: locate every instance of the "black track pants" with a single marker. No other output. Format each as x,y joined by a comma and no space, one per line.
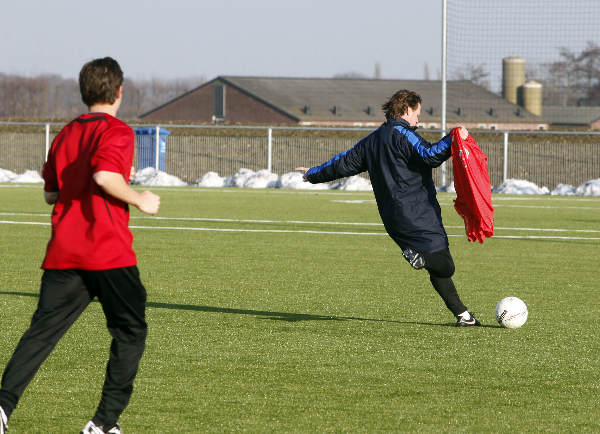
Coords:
440,267
64,295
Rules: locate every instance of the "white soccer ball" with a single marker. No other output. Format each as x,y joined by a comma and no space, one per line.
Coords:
511,312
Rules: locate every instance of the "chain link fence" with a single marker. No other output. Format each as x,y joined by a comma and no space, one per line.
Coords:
544,158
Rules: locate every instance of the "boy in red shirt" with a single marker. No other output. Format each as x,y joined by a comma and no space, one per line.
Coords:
90,251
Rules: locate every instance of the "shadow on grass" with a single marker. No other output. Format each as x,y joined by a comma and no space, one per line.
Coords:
264,314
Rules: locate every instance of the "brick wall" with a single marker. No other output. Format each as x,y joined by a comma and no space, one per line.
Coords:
239,108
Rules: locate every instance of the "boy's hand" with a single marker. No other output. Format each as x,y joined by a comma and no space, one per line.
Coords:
303,170
464,133
51,197
114,184
148,203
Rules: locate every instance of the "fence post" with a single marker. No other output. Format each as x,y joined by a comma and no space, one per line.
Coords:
505,158
270,150
443,174
444,78
157,145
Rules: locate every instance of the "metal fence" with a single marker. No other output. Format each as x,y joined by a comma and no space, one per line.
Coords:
544,158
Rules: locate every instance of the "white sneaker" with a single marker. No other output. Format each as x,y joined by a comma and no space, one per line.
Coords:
91,428
115,430
3,422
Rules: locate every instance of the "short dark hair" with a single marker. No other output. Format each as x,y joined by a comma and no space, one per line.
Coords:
99,81
399,103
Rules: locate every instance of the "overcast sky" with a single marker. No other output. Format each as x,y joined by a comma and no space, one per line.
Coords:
189,38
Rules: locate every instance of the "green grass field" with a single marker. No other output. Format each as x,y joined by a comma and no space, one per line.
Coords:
298,324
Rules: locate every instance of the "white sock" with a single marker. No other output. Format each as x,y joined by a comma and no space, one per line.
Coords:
465,315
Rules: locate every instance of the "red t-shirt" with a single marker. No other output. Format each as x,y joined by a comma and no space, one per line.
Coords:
90,229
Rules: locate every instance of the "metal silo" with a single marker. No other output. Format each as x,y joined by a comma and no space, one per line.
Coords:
532,97
513,76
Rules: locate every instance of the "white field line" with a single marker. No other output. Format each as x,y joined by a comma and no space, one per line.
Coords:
315,191
441,195
537,237
305,222
531,198
179,228
495,205
549,207
289,231
442,203
8,222
283,231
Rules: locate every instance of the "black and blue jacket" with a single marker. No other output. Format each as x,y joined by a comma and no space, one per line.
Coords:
399,162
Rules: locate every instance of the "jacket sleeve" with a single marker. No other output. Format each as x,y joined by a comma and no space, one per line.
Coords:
432,154
348,163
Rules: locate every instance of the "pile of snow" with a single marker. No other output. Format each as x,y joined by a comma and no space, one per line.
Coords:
27,177
239,178
295,181
564,190
210,179
519,186
247,178
152,177
588,188
7,175
354,183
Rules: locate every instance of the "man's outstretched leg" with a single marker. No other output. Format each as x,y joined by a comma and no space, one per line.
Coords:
440,267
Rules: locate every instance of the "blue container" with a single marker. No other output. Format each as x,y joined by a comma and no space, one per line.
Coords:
146,147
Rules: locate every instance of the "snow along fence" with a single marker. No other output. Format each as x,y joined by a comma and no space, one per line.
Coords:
545,158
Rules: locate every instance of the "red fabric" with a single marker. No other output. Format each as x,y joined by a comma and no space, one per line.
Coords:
90,229
473,190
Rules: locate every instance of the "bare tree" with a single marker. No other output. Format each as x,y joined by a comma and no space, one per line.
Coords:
588,68
51,96
350,75
575,78
474,73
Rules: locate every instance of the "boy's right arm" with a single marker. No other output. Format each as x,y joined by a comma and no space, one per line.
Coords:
114,184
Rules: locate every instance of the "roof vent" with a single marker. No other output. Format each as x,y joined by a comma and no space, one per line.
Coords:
459,111
305,109
335,109
369,110
430,111
518,111
492,111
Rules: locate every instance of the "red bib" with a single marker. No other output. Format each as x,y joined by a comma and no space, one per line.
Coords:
473,190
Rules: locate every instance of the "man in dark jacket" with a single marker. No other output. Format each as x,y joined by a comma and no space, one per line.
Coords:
399,162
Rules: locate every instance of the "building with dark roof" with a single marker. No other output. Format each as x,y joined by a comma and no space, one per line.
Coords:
338,102
585,117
